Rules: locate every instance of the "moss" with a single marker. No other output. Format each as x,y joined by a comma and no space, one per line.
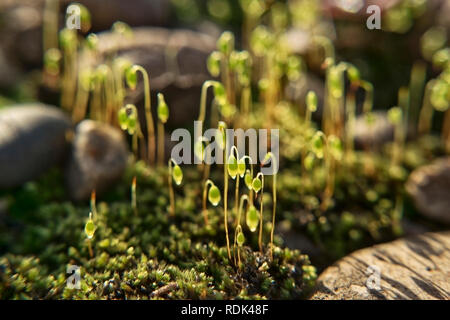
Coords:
135,256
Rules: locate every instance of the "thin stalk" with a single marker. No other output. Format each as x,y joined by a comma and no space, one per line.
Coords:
160,143
239,229
91,252
171,193
236,232
93,204
50,25
133,196
446,131
151,152
274,197
261,212
250,192
202,112
427,110
236,192
81,102
416,86
205,191
351,115
225,196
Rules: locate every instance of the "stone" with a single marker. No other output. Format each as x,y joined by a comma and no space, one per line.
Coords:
414,268
33,138
429,188
141,13
374,136
98,159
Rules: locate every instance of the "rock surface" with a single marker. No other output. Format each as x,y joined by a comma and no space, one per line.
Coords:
429,187
411,268
32,139
374,136
98,159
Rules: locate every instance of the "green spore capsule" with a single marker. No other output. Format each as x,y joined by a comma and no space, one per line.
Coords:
294,65
353,74
67,39
227,110
131,77
252,218
248,179
440,95
317,145
177,175
240,239
132,125
128,118
241,167
123,118
311,101
163,109
214,195
232,166
52,59
219,93
213,63
221,137
309,161
257,184
395,115
89,228
234,60
85,18
225,44
122,28
92,41
442,58
199,150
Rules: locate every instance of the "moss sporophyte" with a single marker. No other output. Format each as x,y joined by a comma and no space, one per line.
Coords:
213,197
131,79
270,157
89,230
163,116
176,174
129,121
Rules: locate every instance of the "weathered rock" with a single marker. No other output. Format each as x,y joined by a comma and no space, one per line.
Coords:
141,13
175,61
98,159
429,187
411,268
20,46
32,139
375,135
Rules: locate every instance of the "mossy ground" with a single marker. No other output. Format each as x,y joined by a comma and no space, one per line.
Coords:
137,255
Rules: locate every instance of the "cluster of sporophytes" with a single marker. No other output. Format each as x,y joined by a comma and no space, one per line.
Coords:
149,255
164,243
